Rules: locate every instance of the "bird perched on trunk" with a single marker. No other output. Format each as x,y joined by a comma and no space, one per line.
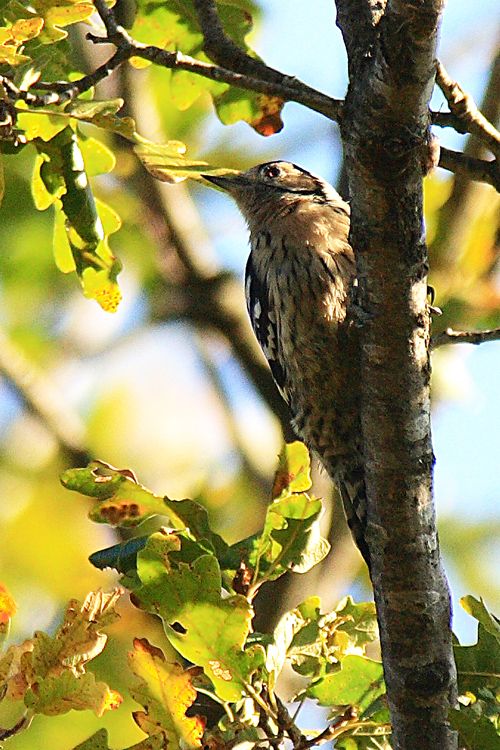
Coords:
299,280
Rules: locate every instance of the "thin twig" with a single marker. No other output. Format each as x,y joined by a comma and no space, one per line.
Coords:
286,723
62,91
222,50
475,169
449,336
466,112
264,81
271,83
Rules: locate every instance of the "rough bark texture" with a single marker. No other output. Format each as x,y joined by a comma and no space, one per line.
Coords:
385,130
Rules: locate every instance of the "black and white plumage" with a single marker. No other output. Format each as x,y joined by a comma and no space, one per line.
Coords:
299,278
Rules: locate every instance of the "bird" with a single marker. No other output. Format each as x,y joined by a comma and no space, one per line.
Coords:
300,283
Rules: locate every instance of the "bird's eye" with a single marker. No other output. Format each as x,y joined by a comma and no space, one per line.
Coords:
271,171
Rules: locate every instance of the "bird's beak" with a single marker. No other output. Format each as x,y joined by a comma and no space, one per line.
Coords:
229,182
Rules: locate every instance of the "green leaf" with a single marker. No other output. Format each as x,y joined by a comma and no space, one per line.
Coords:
48,672
277,651
61,248
204,627
102,114
358,682
98,741
58,694
37,124
2,179
294,471
356,624
98,158
475,733
290,540
122,501
478,610
174,26
167,162
122,557
87,223
325,639
47,189
166,692
478,666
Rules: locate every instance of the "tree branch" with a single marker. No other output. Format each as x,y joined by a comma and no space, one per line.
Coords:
465,111
385,127
248,73
476,169
220,48
467,198
449,336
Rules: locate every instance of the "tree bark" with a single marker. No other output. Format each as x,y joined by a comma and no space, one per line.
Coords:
385,130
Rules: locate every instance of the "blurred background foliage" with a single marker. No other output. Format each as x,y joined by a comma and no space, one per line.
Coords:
173,385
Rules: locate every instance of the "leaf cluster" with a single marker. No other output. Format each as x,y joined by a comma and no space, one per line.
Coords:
203,590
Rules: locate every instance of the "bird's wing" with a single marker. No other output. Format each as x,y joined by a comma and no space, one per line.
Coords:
264,323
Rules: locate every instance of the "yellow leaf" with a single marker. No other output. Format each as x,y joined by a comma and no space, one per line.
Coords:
27,28
97,285
60,244
42,126
166,691
61,15
7,605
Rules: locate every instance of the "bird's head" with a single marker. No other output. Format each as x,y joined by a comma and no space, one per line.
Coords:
273,186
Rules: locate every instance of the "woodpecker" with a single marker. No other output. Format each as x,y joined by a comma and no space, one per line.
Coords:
299,281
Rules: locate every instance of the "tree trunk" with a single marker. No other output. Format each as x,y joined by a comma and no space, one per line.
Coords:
385,129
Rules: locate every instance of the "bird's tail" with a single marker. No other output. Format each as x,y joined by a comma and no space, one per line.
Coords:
349,480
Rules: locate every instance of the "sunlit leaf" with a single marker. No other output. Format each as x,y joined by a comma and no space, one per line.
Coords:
98,158
479,611
122,501
42,196
277,651
167,162
358,682
48,672
58,694
203,626
40,125
12,38
166,692
57,16
294,470
291,539
86,222
175,27
61,248
357,622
